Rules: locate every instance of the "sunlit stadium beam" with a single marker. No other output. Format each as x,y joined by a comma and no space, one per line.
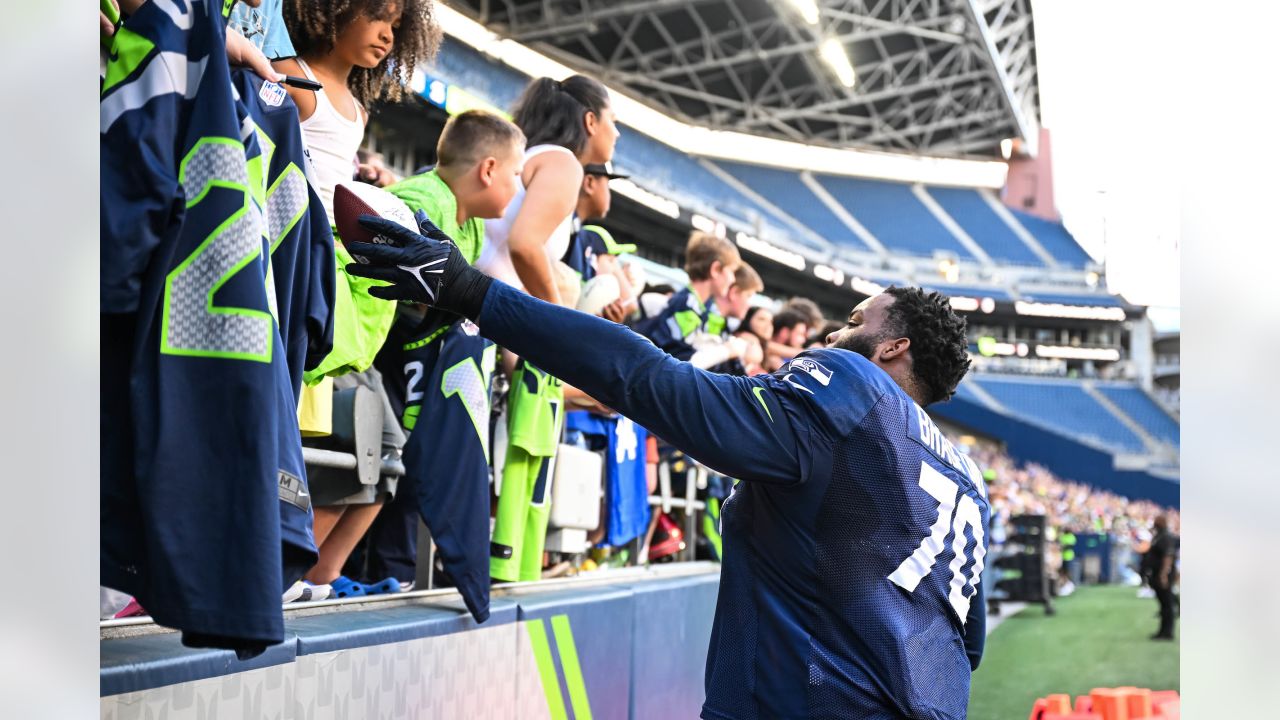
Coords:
733,145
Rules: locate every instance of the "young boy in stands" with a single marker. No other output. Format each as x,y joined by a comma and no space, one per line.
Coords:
710,263
593,251
734,304
437,369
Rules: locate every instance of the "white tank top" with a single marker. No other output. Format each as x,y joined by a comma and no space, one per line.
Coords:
332,141
495,259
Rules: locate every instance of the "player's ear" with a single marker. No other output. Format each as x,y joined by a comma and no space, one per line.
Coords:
894,349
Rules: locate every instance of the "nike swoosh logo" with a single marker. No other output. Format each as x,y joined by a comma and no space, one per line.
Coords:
758,390
417,273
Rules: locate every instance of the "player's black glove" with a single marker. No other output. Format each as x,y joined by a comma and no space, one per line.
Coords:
424,267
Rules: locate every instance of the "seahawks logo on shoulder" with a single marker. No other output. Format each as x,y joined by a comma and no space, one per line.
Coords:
470,328
814,368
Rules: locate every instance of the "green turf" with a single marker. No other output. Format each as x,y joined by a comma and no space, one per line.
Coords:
1098,638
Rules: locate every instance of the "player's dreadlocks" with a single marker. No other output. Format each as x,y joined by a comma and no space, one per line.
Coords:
939,353
314,26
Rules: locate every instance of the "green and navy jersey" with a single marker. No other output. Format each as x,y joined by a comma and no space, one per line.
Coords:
438,383
302,250
436,369
684,316
201,455
854,545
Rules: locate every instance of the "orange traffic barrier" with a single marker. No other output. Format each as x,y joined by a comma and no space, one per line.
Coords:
1057,704
1138,701
1110,703
1122,703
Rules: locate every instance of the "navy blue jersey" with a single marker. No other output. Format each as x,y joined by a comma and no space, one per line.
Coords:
683,317
584,247
437,377
854,547
297,227
589,243
201,457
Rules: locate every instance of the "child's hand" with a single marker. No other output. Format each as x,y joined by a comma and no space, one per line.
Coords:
243,53
375,175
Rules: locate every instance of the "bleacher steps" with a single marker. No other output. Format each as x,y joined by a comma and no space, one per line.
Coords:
988,399
839,211
1153,445
1023,234
949,223
741,187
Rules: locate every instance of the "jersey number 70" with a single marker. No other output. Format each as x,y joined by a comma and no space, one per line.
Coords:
953,517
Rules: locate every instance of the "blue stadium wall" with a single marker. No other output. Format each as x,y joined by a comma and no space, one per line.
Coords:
1067,458
630,649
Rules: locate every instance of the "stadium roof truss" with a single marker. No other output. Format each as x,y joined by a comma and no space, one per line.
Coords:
939,77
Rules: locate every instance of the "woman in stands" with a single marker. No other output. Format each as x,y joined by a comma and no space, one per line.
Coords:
569,123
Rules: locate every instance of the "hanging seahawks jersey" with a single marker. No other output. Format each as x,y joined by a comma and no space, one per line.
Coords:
297,227
201,457
438,382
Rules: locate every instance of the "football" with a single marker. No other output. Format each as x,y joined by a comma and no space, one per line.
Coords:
598,292
351,200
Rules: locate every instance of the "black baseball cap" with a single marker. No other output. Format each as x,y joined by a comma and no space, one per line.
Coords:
603,170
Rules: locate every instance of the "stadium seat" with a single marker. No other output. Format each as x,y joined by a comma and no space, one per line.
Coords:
677,175
967,291
460,65
1139,406
1093,300
894,215
1062,405
1055,239
968,208
785,189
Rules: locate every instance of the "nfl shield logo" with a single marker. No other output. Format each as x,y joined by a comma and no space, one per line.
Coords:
272,94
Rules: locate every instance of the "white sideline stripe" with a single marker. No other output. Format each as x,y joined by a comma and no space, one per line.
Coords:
167,74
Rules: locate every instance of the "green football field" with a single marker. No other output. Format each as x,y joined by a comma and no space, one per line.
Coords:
1098,638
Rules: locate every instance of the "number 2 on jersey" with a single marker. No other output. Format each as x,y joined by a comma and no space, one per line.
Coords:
191,323
467,380
954,517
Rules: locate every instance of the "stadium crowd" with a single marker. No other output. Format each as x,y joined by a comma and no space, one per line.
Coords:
523,199
1070,509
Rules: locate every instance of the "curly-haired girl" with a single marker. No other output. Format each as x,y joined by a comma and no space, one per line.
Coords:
361,51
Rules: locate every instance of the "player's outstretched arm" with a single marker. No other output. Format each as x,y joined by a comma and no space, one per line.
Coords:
732,424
